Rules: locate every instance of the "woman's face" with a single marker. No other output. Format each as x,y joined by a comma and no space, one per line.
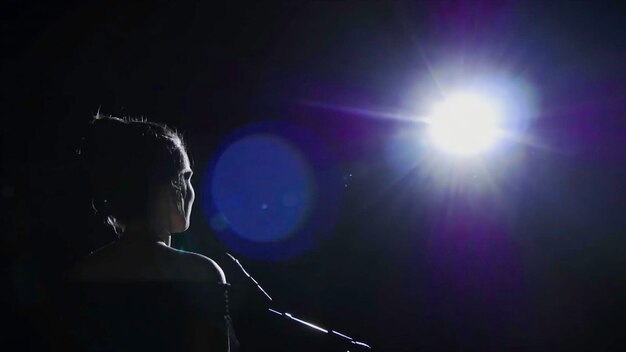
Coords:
181,211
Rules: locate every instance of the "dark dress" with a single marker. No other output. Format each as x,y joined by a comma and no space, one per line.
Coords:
149,316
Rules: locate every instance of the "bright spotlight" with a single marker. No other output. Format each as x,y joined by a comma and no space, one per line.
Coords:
465,124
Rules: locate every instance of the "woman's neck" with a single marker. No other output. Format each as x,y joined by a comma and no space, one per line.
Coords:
142,234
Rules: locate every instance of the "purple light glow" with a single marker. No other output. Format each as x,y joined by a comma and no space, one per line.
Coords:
474,266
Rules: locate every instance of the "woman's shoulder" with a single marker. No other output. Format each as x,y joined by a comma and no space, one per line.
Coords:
158,263
202,267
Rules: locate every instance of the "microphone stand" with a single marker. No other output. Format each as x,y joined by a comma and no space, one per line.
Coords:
345,340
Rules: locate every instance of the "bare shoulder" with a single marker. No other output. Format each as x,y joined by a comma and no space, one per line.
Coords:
206,267
117,262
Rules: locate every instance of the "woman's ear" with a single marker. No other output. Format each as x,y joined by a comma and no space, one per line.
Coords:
180,190
175,208
174,197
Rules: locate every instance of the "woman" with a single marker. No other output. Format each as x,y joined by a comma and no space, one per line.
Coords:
139,293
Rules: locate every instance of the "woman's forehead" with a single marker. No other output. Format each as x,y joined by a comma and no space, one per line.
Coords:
186,165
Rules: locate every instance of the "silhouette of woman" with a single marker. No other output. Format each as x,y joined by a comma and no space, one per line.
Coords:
138,293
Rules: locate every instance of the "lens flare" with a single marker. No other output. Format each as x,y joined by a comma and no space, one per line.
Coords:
262,187
271,191
464,124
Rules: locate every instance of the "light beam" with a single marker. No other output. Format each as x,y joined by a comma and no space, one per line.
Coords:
465,124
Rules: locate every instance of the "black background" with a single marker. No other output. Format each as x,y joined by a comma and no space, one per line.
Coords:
209,69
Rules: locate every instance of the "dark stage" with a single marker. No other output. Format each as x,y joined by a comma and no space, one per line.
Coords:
309,131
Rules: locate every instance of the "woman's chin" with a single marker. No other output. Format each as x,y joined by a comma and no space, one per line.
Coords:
179,223
179,230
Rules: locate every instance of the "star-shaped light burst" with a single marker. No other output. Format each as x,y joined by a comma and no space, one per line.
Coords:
465,123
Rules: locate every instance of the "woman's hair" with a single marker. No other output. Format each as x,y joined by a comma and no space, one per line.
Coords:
126,162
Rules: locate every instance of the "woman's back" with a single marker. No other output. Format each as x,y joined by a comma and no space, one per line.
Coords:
124,261
132,296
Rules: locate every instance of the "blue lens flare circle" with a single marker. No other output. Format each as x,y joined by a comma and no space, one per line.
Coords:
262,188
271,191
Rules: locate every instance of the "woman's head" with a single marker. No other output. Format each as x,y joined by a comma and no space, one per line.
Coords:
139,172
